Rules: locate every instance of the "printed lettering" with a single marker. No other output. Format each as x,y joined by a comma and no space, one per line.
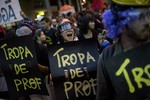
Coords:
138,75
32,83
20,68
67,88
72,59
7,14
16,52
85,88
124,71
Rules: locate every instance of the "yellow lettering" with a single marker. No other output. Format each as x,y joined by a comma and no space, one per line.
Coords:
15,54
93,85
58,57
27,51
77,88
137,73
10,53
73,59
79,72
38,82
3,47
65,59
89,57
20,69
72,73
86,87
23,70
25,81
146,70
32,83
124,71
21,51
17,83
81,57
67,88
17,69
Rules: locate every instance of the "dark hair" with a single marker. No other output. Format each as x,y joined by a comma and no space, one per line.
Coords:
85,24
46,19
37,34
69,13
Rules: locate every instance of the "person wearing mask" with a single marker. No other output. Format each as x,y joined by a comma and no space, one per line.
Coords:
66,32
128,23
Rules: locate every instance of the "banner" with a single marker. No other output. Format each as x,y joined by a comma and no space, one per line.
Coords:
9,11
73,66
130,73
19,66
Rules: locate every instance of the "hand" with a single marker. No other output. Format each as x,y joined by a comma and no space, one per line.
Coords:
43,68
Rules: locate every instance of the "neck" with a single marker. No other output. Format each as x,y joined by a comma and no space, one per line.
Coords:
129,43
89,33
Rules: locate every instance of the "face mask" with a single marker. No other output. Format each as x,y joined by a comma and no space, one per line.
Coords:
65,27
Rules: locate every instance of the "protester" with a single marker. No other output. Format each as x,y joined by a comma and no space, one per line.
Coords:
127,22
43,63
3,86
87,28
66,31
103,42
50,32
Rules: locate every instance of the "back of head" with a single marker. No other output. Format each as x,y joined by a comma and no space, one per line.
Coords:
24,30
120,14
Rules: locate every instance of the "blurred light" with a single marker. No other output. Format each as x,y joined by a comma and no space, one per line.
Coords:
84,1
41,13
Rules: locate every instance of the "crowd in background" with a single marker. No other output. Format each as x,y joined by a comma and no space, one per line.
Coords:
127,22
51,31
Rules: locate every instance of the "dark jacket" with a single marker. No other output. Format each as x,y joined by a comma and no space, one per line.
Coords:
106,89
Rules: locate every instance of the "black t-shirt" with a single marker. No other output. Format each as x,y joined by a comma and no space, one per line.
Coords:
51,38
42,54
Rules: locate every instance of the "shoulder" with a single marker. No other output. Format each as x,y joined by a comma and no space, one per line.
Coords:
112,50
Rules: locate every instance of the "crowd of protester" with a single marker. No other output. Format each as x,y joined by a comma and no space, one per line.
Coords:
119,32
51,31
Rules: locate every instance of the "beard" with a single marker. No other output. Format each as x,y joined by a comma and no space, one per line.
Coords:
142,36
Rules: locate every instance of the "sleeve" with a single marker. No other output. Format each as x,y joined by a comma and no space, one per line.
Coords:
103,90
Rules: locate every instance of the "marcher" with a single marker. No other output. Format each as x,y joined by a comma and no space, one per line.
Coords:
3,85
87,28
43,63
127,22
66,31
50,32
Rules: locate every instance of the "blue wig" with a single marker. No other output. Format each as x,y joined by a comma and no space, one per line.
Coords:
114,22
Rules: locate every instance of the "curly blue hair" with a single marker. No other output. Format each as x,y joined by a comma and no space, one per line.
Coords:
114,21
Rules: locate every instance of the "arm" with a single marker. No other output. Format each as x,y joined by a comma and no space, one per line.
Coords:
104,91
44,69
